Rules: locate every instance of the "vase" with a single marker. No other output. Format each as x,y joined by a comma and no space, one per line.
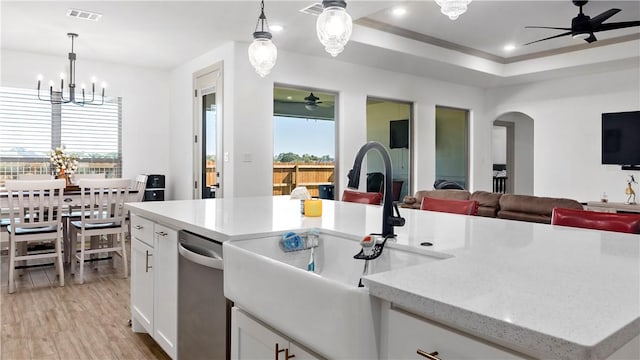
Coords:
64,176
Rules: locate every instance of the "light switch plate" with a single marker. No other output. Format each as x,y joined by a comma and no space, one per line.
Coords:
247,157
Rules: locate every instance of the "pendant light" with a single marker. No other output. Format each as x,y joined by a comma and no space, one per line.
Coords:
71,97
262,51
453,8
334,26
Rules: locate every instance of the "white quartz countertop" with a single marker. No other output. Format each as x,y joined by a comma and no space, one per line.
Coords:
547,291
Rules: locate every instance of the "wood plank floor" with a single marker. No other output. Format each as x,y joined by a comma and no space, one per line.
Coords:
42,320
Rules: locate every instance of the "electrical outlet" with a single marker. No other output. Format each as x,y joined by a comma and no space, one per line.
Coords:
247,157
226,156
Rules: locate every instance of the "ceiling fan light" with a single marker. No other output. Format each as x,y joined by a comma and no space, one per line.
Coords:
453,8
262,55
334,26
310,107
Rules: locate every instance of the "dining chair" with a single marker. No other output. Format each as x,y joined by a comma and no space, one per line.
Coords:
374,198
464,207
102,213
34,177
139,185
26,198
626,223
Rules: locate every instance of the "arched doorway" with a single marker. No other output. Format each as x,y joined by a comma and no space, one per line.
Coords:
513,167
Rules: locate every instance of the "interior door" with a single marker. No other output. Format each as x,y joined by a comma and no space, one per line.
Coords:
208,133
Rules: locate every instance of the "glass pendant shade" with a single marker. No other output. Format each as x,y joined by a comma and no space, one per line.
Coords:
262,52
262,55
453,8
334,27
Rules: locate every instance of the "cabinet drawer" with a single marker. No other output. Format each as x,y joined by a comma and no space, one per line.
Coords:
408,333
142,229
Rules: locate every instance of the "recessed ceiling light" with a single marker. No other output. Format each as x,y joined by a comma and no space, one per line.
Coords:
82,14
276,28
399,11
509,47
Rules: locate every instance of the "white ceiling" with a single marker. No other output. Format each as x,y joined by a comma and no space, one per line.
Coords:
165,34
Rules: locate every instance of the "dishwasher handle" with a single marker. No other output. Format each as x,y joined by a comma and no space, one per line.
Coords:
198,255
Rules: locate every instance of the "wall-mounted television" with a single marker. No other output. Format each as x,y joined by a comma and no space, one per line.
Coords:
621,138
399,134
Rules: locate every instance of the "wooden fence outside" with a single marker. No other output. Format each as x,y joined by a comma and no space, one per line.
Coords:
287,176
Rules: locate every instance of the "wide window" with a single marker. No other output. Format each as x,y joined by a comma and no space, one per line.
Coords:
30,129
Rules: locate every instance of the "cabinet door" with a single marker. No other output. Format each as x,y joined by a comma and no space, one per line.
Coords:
252,340
165,265
405,334
141,285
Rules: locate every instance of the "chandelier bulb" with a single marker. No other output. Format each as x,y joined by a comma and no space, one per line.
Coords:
93,79
83,86
62,75
39,77
104,85
50,83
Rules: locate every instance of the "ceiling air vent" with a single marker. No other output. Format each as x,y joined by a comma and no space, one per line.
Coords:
81,14
313,9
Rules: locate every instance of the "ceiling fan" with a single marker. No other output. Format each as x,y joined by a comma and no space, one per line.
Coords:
310,102
583,26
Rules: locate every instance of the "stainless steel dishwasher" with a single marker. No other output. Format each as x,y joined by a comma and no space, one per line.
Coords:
204,315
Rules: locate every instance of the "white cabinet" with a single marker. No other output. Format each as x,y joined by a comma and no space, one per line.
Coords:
154,282
251,339
141,285
408,336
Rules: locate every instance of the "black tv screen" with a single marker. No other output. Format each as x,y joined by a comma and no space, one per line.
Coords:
399,134
621,138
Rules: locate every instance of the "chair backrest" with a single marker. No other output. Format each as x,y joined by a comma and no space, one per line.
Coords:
627,223
375,182
102,200
139,185
374,198
464,207
35,203
34,177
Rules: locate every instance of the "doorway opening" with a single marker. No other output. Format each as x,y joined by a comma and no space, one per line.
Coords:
452,145
304,141
207,133
513,137
389,122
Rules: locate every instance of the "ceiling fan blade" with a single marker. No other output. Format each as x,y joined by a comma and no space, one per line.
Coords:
617,25
551,37
547,27
597,20
591,39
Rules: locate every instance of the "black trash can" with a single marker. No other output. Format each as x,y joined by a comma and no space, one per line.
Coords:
326,192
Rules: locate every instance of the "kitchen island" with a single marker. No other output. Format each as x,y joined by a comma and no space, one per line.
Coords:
534,289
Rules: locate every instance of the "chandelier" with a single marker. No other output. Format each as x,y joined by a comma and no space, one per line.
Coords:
262,52
453,8
334,26
72,85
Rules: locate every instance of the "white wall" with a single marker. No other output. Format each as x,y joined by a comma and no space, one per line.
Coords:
567,132
499,145
182,120
145,102
248,109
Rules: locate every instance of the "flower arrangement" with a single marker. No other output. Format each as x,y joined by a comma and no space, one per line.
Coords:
64,163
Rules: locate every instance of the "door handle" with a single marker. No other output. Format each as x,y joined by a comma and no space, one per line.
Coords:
146,261
430,356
